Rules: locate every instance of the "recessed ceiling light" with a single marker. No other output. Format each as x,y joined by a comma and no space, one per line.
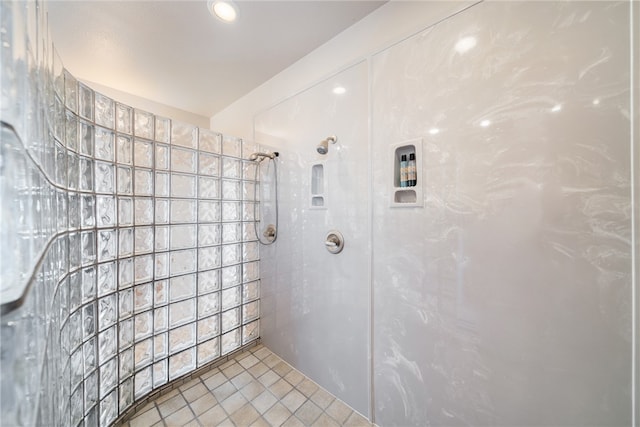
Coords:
466,44
339,90
485,123
556,108
226,11
434,131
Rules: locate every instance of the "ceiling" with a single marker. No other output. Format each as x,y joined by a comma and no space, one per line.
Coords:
175,53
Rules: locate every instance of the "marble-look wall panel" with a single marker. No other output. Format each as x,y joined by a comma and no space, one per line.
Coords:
315,304
506,299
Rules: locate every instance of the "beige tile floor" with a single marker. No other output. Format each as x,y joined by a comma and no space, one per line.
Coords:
256,388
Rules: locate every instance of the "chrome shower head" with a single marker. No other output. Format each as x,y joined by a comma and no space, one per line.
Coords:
323,147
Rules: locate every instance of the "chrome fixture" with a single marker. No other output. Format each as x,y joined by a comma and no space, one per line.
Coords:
261,156
270,233
323,147
334,242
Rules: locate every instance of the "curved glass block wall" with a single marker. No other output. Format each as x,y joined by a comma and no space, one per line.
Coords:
129,256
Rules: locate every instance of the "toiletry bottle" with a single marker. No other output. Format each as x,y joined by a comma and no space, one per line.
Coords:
411,170
403,171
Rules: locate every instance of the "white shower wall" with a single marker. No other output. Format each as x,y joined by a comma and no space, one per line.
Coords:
507,298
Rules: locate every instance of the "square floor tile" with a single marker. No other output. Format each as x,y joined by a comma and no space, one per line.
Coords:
308,412
277,415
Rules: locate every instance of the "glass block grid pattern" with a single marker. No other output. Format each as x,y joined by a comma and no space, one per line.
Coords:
131,232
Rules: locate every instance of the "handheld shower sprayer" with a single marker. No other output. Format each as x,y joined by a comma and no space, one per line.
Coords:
323,147
261,156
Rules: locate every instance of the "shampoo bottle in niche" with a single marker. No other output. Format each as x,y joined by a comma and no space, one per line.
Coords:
411,171
404,175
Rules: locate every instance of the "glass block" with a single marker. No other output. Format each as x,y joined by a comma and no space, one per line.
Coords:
143,268
183,211
143,153
62,210
183,185
231,254
76,404
249,171
208,281
71,139
86,138
182,312
126,333
248,190
70,91
143,325
75,329
61,165
90,355
209,211
162,238
105,178
104,144
88,284
124,150
91,419
106,278
143,353
250,251
125,211
231,211
232,232
184,134
250,311
160,319
143,213
88,242
230,341
182,338
209,141
88,320
208,188
230,297
162,265
181,363
208,258
160,346
251,271
125,303
162,184
124,115
162,129
143,240
107,344
231,146
231,168
126,363
182,287
142,382
248,148
250,332
107,247
183,160
77,367
108,376
126,394
74,171
208,328
143,182
125,242
91,390
208,164
107,311
86,174
106,211
87,212
162,211
85,96
143,297
104,110
208,304
124,185
160,294
160,373
251,291
249,231
75,290
250,211
182,262
183,236
143,124
231,276
231,190
162,157
208,351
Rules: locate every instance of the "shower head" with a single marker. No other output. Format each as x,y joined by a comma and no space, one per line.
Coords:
323,147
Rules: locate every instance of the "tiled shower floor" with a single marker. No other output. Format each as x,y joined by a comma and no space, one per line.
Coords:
255,388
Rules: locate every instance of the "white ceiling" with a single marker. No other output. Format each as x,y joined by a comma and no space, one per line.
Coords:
177,54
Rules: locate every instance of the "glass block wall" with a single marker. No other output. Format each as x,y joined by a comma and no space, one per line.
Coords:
129,256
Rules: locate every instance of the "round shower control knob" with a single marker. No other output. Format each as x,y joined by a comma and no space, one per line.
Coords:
334,242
